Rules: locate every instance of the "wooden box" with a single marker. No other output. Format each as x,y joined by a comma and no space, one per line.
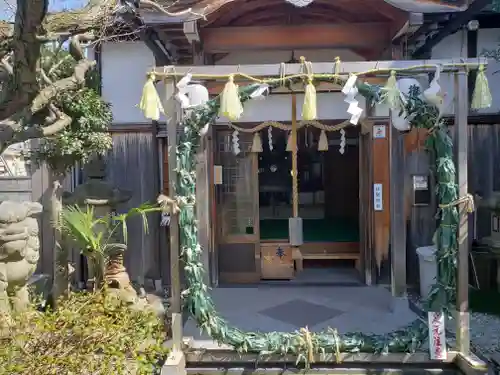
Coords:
276,261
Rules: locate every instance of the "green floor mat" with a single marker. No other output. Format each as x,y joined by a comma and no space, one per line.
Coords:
315,230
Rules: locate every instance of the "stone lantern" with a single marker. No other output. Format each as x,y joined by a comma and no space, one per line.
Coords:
103,198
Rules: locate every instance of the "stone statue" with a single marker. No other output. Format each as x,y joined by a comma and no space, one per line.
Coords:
19,252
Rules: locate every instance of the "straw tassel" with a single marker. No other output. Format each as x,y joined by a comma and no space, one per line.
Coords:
289,143
257,143
230,104
150,103
323,142
309,109
481,98
392,95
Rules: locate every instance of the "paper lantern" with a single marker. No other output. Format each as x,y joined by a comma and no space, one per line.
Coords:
400,122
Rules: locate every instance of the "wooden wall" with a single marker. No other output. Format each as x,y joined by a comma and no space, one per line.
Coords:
420,219
133,164
484,178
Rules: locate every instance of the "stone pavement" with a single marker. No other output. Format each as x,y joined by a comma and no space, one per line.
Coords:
268,308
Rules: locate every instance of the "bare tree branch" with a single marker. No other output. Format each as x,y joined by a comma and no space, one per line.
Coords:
6,69
73,82
37,131
165,11
75,45
13,129
26,88
23,85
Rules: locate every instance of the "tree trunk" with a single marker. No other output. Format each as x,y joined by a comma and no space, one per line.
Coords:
62,269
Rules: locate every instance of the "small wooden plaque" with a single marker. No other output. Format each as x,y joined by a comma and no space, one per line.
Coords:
276,261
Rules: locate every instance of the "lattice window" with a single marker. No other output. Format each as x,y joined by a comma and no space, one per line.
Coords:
236,195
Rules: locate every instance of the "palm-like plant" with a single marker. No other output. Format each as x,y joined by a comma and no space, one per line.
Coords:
97,239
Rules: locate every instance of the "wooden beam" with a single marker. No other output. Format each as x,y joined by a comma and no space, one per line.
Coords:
381,177
191,31
461,139
472,44
362,35
273,70
175,275
398,218
413,23
457,21
385,10
277,9
367,214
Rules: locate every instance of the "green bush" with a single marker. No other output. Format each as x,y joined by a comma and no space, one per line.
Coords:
89,333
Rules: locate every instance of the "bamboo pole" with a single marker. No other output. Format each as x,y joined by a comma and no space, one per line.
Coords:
360,68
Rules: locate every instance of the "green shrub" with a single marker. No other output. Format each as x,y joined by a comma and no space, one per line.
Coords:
87,334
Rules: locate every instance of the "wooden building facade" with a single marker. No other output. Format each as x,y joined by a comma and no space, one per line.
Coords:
238,245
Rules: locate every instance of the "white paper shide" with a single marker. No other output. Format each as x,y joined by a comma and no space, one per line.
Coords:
350,91
437,335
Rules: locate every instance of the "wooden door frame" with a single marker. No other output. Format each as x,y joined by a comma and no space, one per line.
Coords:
219,237
366,214
370,219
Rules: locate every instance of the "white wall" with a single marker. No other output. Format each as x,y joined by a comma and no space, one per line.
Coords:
124,68
125,64
456,46
490,39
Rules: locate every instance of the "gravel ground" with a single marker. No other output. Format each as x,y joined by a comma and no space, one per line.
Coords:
484,329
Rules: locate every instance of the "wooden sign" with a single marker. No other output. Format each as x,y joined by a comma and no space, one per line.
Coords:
378,201
217,174
437,335
276,261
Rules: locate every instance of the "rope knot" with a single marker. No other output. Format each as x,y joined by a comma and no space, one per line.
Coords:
282,74
168,205
468,200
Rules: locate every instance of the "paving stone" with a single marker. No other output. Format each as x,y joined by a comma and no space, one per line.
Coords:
301,313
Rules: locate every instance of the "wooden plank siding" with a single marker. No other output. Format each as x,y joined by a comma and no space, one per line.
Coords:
132,165
483,176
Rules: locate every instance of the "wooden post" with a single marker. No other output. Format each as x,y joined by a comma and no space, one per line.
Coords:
175,281
461,140
366,178
203,196
295,177
296,254
398,219
203,203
